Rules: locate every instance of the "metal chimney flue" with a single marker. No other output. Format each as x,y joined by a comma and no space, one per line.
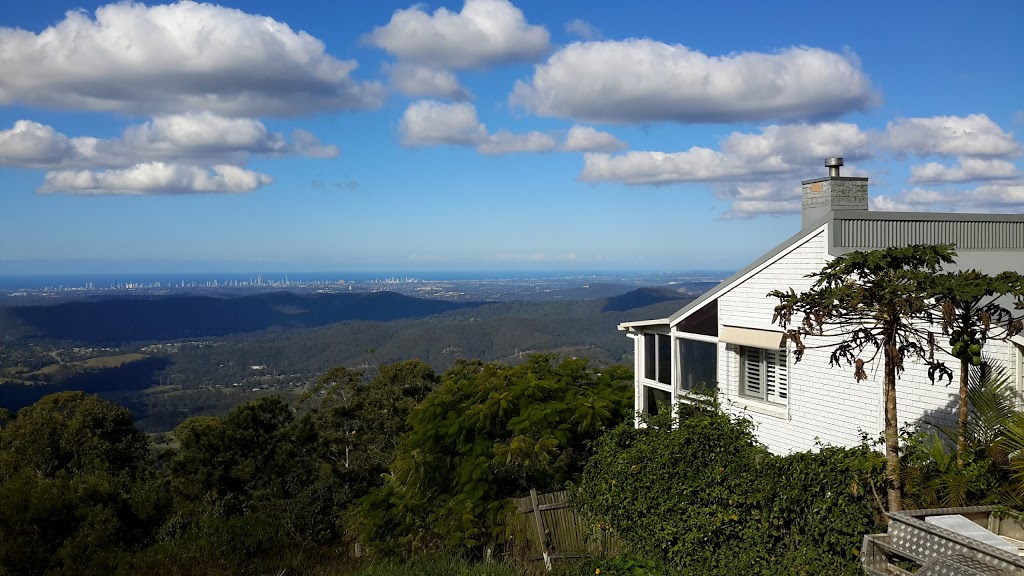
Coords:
833,165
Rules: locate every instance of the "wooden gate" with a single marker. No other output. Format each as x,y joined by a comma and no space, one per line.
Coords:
546,528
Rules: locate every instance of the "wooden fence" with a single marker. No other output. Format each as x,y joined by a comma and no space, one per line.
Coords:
546,528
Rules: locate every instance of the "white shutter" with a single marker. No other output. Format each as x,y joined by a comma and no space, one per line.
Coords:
776,376
752,373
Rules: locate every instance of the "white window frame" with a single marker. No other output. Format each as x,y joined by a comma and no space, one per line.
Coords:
643,382
1018,365
769,390
655,382
677,365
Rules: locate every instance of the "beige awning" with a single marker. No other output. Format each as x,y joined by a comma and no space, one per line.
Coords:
1018,340
752,337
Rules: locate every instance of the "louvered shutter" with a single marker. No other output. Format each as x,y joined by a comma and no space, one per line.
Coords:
752,372
776,376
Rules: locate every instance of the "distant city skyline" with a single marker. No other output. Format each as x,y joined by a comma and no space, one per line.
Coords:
484,135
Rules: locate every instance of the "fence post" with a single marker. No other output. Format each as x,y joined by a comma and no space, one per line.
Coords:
539,522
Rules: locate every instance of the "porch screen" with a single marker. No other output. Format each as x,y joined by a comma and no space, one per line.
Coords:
698,366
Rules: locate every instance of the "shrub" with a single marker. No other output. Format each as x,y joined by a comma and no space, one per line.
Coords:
704,497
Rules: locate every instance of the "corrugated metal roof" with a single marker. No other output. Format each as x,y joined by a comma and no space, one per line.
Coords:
865,230
872,230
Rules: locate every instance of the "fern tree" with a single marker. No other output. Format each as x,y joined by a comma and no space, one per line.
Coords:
973,311
866,304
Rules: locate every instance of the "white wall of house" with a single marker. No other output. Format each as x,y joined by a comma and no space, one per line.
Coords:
825,404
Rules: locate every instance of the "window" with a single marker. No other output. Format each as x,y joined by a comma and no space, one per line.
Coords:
658,358
764,374
1018,368
654,399
698,366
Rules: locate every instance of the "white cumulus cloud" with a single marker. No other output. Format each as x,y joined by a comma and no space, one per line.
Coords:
640,80
749,199
194,138
588,139
483,33
774,152
431,123
177,58
995,197
968,169
416,80
582,29
32,145
504,142
974,135
154,178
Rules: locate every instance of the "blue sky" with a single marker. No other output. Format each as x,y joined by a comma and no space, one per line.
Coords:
485,135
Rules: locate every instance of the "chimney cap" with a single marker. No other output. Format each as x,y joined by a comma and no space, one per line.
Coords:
833,165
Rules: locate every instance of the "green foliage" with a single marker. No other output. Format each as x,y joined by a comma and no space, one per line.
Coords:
251,485
866,304
626,565
77,493
871,300
435,566
972,312
488,433
703,497
992,469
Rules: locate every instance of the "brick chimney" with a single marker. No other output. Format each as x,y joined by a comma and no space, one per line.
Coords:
835,192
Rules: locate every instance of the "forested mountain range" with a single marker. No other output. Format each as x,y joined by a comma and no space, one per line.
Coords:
236,349
119,320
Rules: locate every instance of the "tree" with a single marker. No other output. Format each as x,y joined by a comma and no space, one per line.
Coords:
866,303
490,432
77,487
972,310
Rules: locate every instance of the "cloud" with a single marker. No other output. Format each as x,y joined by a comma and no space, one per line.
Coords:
639,81
775,152
155,178
177,58
305,143
30,144
194,138
413,80
504,142
484,33
968,169
1002,197
587,139
750,199
974,135
432,123
582,29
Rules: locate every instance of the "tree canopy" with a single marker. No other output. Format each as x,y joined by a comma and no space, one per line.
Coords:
869,303
488,433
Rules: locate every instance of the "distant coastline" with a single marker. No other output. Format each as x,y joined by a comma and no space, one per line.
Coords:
103,281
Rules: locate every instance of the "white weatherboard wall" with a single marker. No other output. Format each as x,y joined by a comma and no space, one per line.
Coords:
826,405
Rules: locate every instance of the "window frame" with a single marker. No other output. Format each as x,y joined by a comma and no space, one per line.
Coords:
658,362
677,373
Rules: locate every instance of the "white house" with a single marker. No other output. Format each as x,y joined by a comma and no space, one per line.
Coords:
726,337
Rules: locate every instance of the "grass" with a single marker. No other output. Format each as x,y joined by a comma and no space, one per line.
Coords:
91,364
